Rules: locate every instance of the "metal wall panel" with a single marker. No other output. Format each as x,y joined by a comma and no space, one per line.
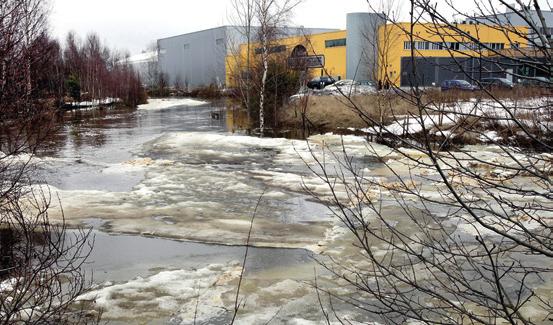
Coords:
362,45
197,58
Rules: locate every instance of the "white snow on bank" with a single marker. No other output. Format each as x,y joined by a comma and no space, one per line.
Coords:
438,118
97,102
163,103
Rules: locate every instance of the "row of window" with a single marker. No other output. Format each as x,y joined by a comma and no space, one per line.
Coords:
274,49
419,45
335,42
456,46
282,48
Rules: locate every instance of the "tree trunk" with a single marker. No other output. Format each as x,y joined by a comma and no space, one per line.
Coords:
263,82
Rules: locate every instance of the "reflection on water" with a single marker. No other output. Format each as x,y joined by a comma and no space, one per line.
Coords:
178,173
81,131
238,122
124,257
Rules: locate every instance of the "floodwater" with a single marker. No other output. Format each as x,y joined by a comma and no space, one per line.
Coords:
171,193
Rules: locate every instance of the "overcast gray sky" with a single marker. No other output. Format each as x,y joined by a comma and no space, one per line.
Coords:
133,24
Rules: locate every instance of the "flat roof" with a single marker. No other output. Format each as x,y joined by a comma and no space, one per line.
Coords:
327,30
198,31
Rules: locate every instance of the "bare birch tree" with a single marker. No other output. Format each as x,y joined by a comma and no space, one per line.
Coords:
271,16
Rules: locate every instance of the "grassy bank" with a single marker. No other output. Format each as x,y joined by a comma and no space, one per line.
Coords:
326,113
503,117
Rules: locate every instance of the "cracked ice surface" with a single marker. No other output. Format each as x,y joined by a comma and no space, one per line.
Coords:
203,187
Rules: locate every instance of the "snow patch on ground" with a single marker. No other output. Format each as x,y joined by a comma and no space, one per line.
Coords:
439,118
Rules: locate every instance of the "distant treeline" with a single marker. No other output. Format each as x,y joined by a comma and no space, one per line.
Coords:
91,68
35,66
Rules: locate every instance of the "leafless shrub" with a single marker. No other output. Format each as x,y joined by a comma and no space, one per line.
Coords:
40,263
451,234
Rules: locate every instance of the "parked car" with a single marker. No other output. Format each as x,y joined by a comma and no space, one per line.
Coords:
462,85
497,83
348,87
320,83
536,82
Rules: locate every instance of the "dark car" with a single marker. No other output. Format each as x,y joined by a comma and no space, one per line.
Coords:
497,83
320,83
457,85
536,82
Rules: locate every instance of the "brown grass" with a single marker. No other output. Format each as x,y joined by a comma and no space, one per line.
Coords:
334,112
517,93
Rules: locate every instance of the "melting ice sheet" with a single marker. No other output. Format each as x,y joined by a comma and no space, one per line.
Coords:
132,286
159,103
204,186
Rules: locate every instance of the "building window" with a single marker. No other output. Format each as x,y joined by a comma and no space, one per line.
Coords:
335,42
468,46
419,45
274,49
186,46
455,46
220,42
494,46
437,46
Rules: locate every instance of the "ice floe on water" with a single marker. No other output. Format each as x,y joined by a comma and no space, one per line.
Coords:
188,293
206,295
164,103
205,186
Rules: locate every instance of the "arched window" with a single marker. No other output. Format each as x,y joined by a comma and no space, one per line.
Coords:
299,51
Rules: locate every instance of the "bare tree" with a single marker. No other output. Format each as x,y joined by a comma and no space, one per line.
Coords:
454,234
271,15
243,17
152,67
40,263
252,70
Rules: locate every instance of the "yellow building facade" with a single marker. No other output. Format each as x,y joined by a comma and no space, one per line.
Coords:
330,45
394,45
431,41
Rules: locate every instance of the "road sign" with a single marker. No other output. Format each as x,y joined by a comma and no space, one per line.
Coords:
306,62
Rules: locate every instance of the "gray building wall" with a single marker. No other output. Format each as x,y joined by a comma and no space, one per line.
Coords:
362,45
432,71
515,19
198,58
